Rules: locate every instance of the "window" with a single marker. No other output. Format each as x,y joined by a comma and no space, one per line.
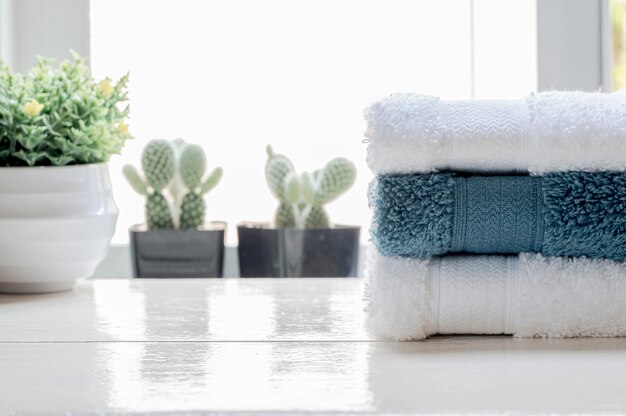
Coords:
618,37
236,75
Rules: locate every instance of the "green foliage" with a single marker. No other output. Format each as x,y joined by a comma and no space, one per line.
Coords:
302,196
174,182
60,115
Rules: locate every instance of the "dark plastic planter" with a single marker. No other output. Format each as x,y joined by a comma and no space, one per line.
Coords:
178,253
292,252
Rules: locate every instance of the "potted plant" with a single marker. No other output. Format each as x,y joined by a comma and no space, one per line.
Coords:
58,128
301,242
175,241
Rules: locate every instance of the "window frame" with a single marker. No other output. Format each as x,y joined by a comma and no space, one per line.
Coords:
573,45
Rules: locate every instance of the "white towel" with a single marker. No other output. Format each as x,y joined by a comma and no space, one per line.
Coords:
527,296
546,132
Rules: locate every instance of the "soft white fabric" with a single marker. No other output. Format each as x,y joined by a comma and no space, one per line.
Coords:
548,131
527,296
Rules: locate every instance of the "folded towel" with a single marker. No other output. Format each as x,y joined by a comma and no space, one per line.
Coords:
559,214
546,132
527,296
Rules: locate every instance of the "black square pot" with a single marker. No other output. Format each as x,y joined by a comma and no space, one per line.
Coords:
178,253
292,252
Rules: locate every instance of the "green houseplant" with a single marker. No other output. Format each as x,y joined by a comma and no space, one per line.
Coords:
58,128
175,241
60,116
301,241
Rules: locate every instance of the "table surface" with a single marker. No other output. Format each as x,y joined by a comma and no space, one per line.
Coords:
276,344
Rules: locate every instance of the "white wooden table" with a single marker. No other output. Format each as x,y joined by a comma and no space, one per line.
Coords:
275,344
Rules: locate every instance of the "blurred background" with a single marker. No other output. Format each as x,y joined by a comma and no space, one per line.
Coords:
237,75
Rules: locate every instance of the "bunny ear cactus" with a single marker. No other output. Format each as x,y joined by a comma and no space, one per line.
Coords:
302,196
159,165
173,183
192,169
276,170
336,178
158,161
177,188
279,172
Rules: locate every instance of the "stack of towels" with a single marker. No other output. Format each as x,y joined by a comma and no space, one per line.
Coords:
498,216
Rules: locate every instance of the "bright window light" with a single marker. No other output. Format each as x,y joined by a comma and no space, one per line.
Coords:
236,75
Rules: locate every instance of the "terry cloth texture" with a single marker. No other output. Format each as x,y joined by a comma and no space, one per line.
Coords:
559,214
526,295
546,132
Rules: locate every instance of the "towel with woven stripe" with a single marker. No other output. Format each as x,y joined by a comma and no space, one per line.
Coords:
558,214
527,295
545,132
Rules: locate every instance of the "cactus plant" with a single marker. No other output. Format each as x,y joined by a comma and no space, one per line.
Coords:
302,196
173,183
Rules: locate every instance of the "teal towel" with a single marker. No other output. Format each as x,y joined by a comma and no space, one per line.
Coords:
559,214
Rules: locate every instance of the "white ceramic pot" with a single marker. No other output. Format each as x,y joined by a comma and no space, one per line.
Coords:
56,224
